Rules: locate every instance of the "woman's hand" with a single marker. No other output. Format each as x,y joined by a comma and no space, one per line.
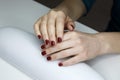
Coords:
76,46
51,26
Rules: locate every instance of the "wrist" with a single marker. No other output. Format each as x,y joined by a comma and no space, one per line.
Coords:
74,9
62,7
104,45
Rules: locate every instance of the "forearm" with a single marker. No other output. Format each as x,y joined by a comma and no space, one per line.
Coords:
73,8
110,42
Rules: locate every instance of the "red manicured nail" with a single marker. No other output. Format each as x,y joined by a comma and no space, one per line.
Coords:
60,64
72,27
59,39
43,47
43,53
39,36
52,43
48,58
47,42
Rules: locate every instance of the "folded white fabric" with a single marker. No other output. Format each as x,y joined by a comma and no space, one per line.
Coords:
107,65
22,50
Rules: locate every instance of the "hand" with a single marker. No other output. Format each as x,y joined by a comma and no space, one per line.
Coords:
76,46
51,26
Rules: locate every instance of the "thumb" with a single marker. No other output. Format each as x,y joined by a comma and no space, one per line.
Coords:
70,26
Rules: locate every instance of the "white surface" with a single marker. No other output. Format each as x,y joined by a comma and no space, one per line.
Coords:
108,66
8,72
22,50
23,14
20,13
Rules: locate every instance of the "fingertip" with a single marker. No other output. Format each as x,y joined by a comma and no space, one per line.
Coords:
59,39
49,58
43,46
60,64
47,42
72,27
43,53
39,36
52,43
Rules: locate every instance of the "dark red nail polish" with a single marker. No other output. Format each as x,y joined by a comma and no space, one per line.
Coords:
72,27
52,43
43,47
47,42
59,39
43,53
39,36
60,64
49,58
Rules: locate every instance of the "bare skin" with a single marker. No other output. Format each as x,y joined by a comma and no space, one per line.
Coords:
75,46
83,46
50,27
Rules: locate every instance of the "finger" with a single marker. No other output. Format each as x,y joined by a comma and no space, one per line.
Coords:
43,46
60,21
67,36
64,45
70,24
76,59
64,54
37,28
43,29
51,29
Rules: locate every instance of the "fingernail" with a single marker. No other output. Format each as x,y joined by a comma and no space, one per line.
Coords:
72,27
60,64
52,43
47,42
39,36
59,39
43,47
48,58
43,53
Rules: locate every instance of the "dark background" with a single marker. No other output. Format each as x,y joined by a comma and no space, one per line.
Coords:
97,18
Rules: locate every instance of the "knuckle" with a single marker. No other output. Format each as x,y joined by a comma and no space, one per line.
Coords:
44,35
79,41
59,33
85,55
60,12
36,24
71,62
44,17
74,33
50,24
75,61
55,56
66,54
82,48
51,36
59,46
52,13
48,51
35,27
43,23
